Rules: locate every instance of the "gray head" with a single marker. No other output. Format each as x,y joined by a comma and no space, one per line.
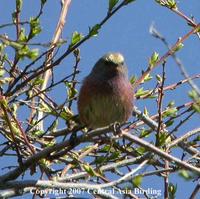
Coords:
110,65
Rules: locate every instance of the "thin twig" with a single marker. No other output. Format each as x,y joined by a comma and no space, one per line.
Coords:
160,99
195,192
158,35
48,61
159,152
184,137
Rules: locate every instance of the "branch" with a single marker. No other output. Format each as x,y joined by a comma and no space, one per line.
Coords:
57,34
40,70
67,145
158,35
159,152
85,186
184,137
170,52
105,168
152,124
195,192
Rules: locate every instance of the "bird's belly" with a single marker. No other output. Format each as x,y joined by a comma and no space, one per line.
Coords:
104,110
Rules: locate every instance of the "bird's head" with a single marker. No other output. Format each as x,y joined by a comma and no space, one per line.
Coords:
110,65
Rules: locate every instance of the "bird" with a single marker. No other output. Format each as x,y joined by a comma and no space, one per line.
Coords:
106,95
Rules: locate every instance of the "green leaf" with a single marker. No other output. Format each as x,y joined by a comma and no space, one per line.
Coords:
23,52
198,30
2,46
137,181
179,47
141,92
89,170
26,52
169,123
197,139
33,54
35,28
66,114
94,30
154,59
14,17
168,3
106,148
22,36
45,108
161,2
71,91
13,44
2,72
193,94
38,81
133,79
114,155
195,97
170,112
145,133
172,191
163,138
19,4
76,37
196,107
29,93
141,150
146,111
147,78
15,129
171,4
14,108
185,174
171,104
44,162
50,144
6,80
159,78
112,4
100,160
37,133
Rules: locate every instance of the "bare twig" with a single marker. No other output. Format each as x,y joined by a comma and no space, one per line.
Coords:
152,124
160,99
184,137
105,168
48,62
195,192
160,152
158,35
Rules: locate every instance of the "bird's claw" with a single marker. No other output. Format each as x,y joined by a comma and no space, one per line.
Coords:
116,127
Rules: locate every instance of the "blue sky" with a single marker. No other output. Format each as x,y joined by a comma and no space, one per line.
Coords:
126,32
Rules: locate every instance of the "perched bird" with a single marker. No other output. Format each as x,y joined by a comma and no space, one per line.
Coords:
106,95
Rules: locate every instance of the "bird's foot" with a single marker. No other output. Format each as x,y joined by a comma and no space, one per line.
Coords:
116,128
